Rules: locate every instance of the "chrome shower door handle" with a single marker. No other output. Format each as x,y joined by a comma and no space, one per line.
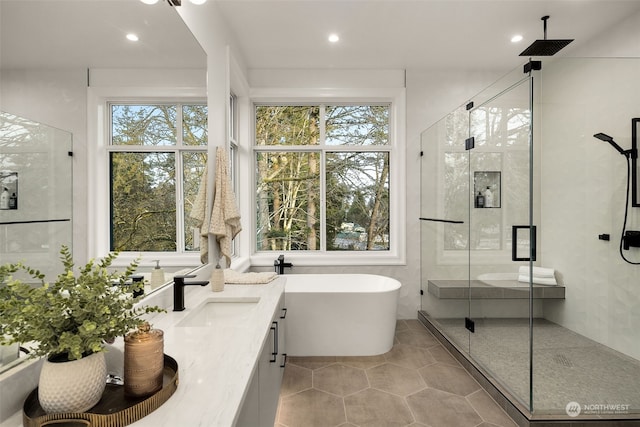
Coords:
532,242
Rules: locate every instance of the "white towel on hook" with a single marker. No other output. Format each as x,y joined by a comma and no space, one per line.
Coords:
225,218
199,213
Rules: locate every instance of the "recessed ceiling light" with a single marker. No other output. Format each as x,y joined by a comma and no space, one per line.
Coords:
198,1
132,37
149,1
517,38
334,38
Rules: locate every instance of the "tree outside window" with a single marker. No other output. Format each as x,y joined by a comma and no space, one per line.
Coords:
157,155
322,177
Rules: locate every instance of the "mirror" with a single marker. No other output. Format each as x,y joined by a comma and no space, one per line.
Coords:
46,50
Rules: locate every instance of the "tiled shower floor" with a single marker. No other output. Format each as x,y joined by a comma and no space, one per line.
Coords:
567,367
418,383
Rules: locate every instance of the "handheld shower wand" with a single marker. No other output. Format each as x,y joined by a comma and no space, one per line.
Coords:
627,238
606,138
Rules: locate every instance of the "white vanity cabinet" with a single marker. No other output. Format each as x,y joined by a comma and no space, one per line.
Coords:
261,401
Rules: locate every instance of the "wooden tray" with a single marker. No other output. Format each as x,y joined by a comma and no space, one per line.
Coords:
113,410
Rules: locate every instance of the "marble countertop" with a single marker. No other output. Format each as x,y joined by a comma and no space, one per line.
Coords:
215,362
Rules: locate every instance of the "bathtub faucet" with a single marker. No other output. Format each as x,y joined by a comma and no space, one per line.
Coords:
279,265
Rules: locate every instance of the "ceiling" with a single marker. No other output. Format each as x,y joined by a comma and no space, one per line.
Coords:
387,34
92,34
404,34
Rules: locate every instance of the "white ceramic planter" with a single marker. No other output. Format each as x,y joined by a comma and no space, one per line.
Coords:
74,386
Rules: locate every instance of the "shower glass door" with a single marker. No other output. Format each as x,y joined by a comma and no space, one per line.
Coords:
500,231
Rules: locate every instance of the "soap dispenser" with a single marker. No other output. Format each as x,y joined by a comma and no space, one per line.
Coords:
488,198
157,276
217,279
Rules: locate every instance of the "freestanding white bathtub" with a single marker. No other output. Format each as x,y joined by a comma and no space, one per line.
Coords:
340,314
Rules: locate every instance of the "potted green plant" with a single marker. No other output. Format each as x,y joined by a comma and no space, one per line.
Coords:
69,322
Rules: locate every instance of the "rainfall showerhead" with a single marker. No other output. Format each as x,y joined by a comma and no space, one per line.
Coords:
545,47
606,138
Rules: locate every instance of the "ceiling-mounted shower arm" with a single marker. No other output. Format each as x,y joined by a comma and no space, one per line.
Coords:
544,25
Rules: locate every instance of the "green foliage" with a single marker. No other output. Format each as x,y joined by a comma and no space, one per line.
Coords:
75,315
143,201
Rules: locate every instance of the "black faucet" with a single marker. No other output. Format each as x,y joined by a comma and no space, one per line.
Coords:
178,290
280,265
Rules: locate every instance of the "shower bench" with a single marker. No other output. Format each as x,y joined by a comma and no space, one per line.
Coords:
509,289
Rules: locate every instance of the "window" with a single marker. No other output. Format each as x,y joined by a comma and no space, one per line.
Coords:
157,155
322,177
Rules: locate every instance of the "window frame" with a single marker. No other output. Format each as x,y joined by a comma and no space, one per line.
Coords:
98,201
395,98
177,150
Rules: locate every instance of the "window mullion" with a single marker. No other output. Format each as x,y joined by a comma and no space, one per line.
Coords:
179,162
323,202
323,189
180,220
179,133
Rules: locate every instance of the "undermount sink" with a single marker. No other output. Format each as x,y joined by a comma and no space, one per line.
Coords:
212,311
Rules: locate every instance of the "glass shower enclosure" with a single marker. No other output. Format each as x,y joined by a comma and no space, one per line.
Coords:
505,246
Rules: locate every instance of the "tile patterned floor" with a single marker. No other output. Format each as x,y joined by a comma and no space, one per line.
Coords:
417,384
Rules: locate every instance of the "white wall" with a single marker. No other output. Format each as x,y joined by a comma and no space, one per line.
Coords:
583,186
620,41
583,192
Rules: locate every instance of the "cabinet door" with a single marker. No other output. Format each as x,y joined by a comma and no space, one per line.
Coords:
270,377
261,403
250,412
